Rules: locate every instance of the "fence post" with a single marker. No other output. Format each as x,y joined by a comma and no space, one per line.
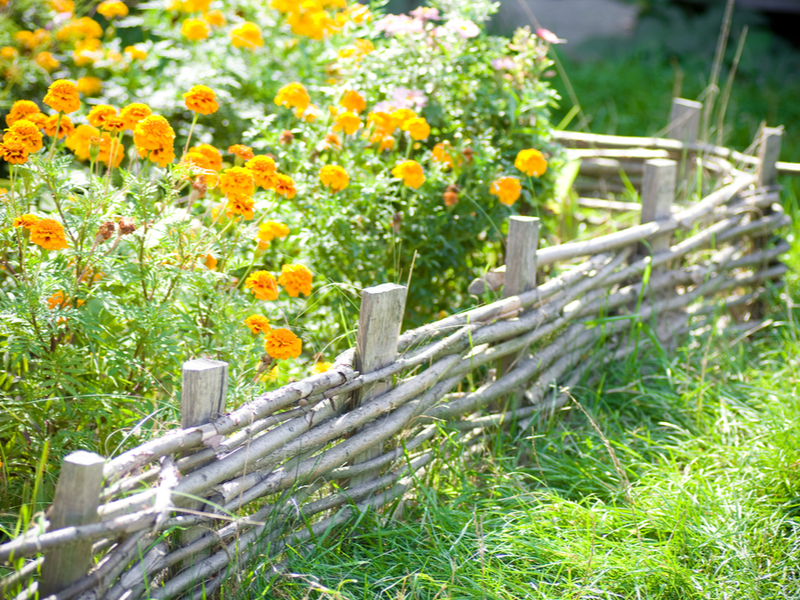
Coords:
523,241
658,191
684,126
379,322
204,391
768,150
76,501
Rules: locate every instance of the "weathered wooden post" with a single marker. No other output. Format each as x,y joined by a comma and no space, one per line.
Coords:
76,501
204,391
523,241
684,126
379,322
658,192
768,150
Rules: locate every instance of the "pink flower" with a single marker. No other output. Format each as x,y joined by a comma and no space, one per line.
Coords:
464,27
503,63
426,14
399,24
549,36
385,106
405,98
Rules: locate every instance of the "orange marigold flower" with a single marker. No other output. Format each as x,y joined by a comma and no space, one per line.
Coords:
98,115
240,205
26,221
134,113
347,122
111,9
269,231
213,155
353,101
295,279
163,156
27,132
410,172
57,300
65,127
331,141
237,182
257,324
47,61
242,151
417,128
450,196
62,6
80,141
201,161
153,133
62,96
293,95
247,35
210,262
49,234
507,189
334,176
89,86
531,162
282,344
135,52
441,154
215,18
14,151
114,124
195,5
201,99
384,123
21,109
284,185
195,30
263,169
111,151
263,285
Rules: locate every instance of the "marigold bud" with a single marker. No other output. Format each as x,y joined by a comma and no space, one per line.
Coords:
105,231
450,195
286,137
469,154
126,225
397,221
199,189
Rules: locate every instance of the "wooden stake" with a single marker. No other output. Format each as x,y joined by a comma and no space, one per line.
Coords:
76,501
768,151
684,120
658,192
379,323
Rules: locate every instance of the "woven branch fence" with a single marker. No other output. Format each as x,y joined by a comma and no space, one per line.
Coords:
177,515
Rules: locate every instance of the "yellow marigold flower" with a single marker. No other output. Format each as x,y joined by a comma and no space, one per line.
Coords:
201,99
26,221
240,205
386,142
242,151
21,109
418,128
8,53
353,101
111,151
282,344
531,162
78,29
14,150
47,61
293,95
32,39
403,115
237,182
98,115
134,113
195,30
335,177
135,52
410,172
152,133
507,189
202,162
247,35
49,234
347,122
80,141
358,50
163,156
264,170
62,96
269,231
62,6
284,185
27,132
441,153
196,5
212,154
65,127
89,86
383,122
257,324
263,285
87,52
332,141
309,114
112,8
295,279
215,18
322,366
210,262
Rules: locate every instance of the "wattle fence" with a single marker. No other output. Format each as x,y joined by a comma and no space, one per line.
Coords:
177,515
